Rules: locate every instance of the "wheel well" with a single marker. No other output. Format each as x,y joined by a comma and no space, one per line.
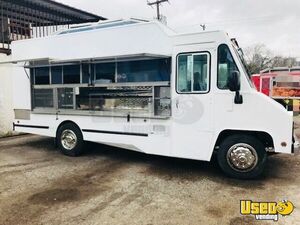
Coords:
264,137
66,122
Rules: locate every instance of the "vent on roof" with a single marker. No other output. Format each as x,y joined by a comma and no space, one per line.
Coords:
99,26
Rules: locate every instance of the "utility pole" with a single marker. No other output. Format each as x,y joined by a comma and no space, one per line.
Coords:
157,3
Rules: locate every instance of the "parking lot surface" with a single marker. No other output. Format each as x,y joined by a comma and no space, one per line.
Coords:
38,185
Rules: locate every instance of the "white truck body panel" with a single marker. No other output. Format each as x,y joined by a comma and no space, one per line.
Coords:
192,136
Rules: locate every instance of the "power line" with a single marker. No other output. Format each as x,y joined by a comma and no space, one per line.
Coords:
158,4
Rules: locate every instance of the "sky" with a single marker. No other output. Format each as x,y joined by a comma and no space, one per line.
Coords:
274,23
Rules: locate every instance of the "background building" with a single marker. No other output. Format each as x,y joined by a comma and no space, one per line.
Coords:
24,19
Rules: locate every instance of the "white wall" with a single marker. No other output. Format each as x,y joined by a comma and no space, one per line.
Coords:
21,87
14,93
6,97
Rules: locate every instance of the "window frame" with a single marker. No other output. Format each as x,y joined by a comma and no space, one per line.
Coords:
234,61
208,68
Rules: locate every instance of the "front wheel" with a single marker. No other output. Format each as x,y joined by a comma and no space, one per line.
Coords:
70,140
242,156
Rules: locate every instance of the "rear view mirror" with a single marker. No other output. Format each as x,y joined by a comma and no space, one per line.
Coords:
234,85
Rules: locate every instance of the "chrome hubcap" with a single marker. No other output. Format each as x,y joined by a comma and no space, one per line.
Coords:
242,157
68,139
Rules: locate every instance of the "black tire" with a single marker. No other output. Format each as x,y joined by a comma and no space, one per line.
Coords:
72,129
246,143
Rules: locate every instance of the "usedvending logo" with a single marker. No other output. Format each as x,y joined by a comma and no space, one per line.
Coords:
267,210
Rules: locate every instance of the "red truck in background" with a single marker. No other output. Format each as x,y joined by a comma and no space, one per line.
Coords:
281,84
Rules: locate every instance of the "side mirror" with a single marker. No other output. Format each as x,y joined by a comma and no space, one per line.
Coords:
234,85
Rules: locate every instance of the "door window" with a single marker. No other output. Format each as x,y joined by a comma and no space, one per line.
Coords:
226,66
193,73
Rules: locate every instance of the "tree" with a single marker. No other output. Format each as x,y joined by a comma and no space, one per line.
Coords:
279,61
259,57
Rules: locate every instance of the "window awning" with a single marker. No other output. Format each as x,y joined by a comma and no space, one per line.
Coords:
34,60
51,61
142,56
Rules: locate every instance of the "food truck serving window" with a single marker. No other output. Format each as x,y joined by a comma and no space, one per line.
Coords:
193,73
148,70
139,87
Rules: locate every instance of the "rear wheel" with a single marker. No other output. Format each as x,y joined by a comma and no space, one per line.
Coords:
242,156
70,140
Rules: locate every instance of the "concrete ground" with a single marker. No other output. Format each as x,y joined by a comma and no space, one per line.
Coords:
38,185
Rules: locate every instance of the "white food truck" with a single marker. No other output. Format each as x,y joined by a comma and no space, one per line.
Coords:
142,86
